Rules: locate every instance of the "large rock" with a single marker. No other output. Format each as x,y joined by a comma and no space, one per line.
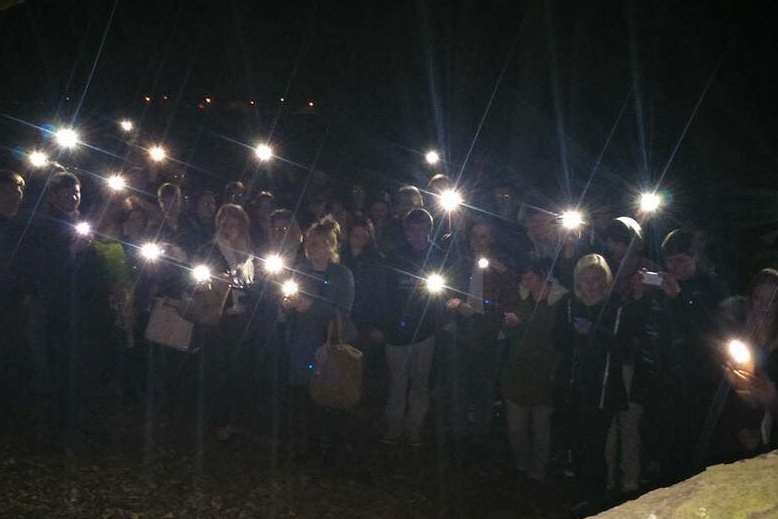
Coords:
743,490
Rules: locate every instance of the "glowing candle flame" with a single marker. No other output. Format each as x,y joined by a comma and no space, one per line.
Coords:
739,351
157,153
572,220
151,251
450,200
650,202
263,152
38,159
66,137
83,228
290,288
435,283
201,273
116,183
274,264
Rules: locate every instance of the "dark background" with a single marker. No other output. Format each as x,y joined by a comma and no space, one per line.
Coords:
543,93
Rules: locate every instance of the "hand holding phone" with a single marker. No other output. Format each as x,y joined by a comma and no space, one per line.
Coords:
652,279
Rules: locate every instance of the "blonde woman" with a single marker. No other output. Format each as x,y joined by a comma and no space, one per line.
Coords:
590,332
228,352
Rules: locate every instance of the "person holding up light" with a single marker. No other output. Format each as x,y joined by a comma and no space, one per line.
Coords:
411,331
487,288
64,339
406,200
528,377
326,294
679,317
747,423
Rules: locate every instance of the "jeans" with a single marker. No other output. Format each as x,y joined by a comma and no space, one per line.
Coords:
529,429
623,448
409,392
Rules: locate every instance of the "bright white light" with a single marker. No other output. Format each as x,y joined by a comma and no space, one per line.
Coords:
126,125
274,264
572,220
432,157
66,137
38,159
116,183
83,228
483,263
650,202
290,288
263,152
201,273
436,283
739,351
450,200
157,153
151,251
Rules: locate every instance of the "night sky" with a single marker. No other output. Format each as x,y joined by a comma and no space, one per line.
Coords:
548,84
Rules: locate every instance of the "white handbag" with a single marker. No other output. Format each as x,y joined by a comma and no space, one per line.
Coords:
168,328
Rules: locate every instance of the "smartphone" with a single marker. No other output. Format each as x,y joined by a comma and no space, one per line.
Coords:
653,279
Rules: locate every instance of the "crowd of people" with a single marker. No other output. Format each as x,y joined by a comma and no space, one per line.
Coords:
603,362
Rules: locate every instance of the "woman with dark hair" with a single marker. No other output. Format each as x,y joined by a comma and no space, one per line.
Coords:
259,210
200,225
528,380
326,294
361,256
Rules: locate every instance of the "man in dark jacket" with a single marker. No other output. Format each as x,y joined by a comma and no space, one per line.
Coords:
64,345
487,288
411,331
680,321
